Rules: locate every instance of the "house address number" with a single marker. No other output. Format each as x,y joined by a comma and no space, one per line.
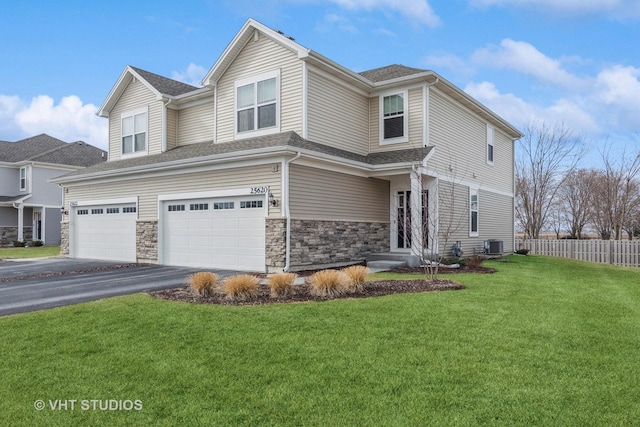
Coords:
259,190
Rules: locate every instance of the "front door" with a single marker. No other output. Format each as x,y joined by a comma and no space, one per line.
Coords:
37,225
404,219
405,229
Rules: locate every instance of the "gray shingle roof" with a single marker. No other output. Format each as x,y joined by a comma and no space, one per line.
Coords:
390,72
47,149
165,85
286,140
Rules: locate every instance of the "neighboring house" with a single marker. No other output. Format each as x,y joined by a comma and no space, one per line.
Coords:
287,160
30,205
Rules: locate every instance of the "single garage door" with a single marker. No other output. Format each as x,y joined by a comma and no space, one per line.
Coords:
105,232
224,232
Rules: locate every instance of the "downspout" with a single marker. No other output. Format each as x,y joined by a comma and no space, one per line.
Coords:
427,100
287,210
164,123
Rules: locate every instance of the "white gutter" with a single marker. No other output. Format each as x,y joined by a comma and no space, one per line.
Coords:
287,209
165,102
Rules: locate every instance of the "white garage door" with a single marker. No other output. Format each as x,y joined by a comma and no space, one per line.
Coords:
224,232
105,232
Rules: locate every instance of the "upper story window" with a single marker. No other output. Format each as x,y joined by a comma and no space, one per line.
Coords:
257,104
393,118
23,178
134,132
473,212
490,146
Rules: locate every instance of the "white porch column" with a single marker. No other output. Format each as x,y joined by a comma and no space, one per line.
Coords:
20,222
417,227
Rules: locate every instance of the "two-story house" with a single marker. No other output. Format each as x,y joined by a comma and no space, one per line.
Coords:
285,159
30,206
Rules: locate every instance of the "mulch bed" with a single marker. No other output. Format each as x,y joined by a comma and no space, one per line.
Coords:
301,293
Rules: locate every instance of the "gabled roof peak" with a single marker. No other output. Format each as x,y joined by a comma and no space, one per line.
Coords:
390,72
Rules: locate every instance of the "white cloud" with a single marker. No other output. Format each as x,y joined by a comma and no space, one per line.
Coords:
449,61
418,10
70,120
615,8
193,75
525,58
520,112
333,20
617,93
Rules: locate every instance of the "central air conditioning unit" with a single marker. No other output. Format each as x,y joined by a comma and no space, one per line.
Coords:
493,247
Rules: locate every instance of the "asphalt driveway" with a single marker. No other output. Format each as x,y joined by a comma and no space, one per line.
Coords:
36,284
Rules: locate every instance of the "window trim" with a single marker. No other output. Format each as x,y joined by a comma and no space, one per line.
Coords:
133,113
491,146
25,170
254,80
474,192
405,114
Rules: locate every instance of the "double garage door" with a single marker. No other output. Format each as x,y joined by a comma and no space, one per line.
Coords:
222,232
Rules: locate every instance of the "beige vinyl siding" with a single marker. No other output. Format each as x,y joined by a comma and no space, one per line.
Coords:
495,215
136,95
149,187
337,116
460,139
196,124
326,195
259,57
495,219
172,128
416,123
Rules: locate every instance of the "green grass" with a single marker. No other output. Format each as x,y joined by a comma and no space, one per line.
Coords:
35,252
543,341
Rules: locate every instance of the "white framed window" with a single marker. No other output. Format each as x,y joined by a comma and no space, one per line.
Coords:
134,132
394,120
473,212
490,145
257,103
23,179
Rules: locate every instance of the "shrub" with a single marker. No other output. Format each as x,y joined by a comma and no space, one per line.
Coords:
357,275
328,283
203,283
19,243
281,284
36,243
241,287
474,262
522,251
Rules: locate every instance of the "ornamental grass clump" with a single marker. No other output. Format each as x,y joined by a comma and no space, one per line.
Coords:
203,283
281,284
329,283
241,287
357,275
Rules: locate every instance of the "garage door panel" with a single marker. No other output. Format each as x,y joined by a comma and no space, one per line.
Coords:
225,237
98,235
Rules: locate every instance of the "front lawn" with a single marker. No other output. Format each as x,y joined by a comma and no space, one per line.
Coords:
34,252
543,341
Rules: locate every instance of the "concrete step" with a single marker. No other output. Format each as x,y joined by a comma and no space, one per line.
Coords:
384,265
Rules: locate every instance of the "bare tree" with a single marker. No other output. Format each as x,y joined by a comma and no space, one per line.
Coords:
435,217
576,198
545,156
617,194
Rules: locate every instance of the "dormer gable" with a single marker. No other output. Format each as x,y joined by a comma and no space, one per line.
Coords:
161,87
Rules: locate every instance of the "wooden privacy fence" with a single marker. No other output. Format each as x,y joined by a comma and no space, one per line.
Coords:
617,252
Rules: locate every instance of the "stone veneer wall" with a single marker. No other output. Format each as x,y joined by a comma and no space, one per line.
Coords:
276,245
64,238
147,241
316,243
9,234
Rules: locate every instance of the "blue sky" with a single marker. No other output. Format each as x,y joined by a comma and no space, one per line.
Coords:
575,61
